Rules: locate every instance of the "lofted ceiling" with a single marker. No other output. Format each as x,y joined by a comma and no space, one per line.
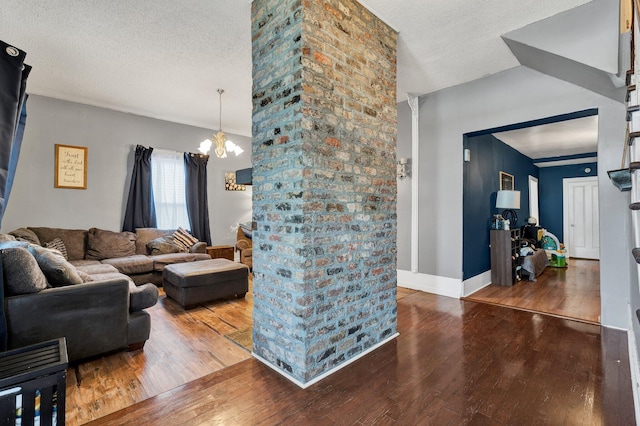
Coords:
165,59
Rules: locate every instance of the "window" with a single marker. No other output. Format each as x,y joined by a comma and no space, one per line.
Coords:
533,199
168,181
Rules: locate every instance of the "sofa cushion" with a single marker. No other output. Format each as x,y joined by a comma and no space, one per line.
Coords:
75,240
84,262
130,265
22,275
184,240
163,245
56,269
102,244
162,260
95,269
110,276
148,234
25,234
58,244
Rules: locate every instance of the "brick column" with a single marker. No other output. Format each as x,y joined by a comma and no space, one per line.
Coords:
324,184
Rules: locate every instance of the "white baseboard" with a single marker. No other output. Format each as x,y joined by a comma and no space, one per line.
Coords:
327,373
443,286
473,284
634,366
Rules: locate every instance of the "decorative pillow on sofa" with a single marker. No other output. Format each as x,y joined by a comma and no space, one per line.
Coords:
162,245
24,234
7,237
103,244
184,240
21,272
13,244
145,235
58,244
56,269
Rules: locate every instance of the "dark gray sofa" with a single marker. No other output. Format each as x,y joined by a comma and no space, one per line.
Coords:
102,315
94,318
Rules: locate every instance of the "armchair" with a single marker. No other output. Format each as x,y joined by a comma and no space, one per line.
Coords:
245,246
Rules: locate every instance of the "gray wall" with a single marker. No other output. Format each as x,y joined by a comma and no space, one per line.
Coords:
404,188
110,137
512,96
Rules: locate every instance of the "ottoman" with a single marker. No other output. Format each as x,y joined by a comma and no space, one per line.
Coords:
191,283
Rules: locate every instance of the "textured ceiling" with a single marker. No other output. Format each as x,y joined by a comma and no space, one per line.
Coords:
165,59
578,136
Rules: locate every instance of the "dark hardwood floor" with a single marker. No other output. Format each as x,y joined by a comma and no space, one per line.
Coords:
184,345
572,292
455,362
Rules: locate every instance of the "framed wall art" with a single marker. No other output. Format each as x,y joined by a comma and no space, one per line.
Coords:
230,182
506,182
70,167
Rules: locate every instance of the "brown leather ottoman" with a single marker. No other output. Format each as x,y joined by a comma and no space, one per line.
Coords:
191,283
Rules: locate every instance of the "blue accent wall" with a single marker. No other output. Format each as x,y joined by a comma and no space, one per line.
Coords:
489,156
550,193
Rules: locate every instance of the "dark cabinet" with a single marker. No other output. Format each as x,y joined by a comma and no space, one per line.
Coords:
504,256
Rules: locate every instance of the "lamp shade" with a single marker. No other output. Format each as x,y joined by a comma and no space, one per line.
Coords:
508,200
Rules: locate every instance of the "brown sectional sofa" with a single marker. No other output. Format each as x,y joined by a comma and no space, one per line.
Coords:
102,315
141,266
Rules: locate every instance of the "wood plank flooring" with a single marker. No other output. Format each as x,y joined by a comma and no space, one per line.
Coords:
183,346
455,362
572,292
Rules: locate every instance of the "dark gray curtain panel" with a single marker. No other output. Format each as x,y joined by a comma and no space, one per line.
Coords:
13,86
195,166
141,210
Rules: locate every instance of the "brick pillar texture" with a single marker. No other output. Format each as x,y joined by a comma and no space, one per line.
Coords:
324,183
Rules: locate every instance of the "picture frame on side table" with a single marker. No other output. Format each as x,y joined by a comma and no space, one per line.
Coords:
70,167
506,182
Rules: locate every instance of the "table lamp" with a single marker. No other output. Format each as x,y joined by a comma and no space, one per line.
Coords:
509,200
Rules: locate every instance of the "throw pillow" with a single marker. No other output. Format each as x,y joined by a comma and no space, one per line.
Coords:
13,244
58,244
184,240
21,271
7,237
162,245
145,235
103,244
24,234
56,269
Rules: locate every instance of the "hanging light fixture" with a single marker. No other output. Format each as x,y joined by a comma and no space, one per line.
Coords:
220,140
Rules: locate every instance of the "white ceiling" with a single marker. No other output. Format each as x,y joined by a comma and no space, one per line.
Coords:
166,58
578,136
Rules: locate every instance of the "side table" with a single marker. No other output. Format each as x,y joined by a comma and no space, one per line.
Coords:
224,252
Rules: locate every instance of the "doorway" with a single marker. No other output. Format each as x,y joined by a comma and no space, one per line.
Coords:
542,196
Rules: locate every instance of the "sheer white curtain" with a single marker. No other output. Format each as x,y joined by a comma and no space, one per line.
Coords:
168,177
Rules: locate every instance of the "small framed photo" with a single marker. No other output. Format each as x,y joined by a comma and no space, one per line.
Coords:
230,182
506,182
71,167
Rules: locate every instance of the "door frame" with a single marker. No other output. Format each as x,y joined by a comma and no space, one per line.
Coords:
565,208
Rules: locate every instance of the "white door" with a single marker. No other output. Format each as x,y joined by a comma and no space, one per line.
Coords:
580,217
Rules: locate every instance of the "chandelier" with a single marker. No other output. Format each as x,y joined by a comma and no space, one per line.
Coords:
220,140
